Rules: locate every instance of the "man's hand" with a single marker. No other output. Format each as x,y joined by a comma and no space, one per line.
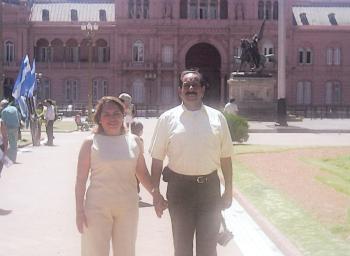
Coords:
160,204
226,199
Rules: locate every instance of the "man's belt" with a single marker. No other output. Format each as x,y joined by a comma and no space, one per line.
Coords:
169,175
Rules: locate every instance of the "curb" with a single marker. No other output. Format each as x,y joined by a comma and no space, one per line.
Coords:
286,246
297,130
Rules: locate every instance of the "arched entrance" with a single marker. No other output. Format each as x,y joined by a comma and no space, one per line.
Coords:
207,59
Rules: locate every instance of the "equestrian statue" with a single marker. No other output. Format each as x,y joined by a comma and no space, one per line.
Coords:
250,53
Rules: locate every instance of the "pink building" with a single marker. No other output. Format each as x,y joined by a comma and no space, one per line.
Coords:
141,46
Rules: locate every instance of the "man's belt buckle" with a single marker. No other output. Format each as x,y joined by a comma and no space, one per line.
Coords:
202,179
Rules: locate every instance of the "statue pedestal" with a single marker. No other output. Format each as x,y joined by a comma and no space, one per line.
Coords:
255,93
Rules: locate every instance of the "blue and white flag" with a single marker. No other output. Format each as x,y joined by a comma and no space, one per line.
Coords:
32,81
21,101
21,77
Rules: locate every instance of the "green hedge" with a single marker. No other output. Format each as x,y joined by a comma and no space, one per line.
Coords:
238,127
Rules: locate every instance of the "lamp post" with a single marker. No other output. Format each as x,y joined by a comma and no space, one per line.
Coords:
90,30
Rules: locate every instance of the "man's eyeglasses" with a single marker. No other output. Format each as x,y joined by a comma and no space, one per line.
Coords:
193,85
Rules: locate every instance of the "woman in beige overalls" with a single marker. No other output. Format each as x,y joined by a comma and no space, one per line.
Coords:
110,209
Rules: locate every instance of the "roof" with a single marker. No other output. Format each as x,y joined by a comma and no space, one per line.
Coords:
61,12
321,15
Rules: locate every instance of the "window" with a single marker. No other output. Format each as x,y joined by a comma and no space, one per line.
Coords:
329,56
167,54
193,9
268,51
332,19
44,54
304,19
44,89
301,56
73,15
333,56
213,11
268,10
203,9
138,51
102,15
304,56
131,6
71,90
308,56
102,54
72,54
45,15
145,9
304,93
8,87
138,9
223,9
183,9
333,93
167,94
275,10
100,89
138,92
336,55
261,10
9,51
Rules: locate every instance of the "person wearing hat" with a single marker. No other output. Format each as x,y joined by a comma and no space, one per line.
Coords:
196,139
11,119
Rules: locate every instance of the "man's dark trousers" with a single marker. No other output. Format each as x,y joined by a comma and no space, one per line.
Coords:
194,208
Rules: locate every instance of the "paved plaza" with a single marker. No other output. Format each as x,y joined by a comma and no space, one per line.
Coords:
37,208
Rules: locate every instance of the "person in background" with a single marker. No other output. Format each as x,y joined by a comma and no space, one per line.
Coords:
108,209
49,115
196,139
40,113
3,144
231,107
136,127
129,108
11,119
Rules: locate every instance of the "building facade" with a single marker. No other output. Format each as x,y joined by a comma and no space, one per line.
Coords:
141,46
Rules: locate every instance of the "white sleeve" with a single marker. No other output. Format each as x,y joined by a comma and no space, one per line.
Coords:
160,139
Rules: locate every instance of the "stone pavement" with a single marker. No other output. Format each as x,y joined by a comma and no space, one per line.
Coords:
37,215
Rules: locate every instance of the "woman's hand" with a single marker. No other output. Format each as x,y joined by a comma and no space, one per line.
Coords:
160,204
81,221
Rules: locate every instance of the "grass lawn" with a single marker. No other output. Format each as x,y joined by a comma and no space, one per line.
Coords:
310,236
59,126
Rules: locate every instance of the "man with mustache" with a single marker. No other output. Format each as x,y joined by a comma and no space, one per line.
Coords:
197,142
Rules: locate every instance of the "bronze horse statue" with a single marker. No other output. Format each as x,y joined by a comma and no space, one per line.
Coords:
250,53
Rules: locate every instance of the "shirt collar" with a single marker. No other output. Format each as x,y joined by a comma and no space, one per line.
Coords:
202,109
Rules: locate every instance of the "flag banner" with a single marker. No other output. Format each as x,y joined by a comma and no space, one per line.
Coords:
32,81
21,77
21,101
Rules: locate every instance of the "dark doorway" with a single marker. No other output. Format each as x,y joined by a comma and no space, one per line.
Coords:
207,59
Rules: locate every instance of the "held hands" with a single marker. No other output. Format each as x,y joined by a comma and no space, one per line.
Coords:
226,199
81,221
160,204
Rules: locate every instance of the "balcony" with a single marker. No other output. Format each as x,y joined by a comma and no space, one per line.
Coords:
135,66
